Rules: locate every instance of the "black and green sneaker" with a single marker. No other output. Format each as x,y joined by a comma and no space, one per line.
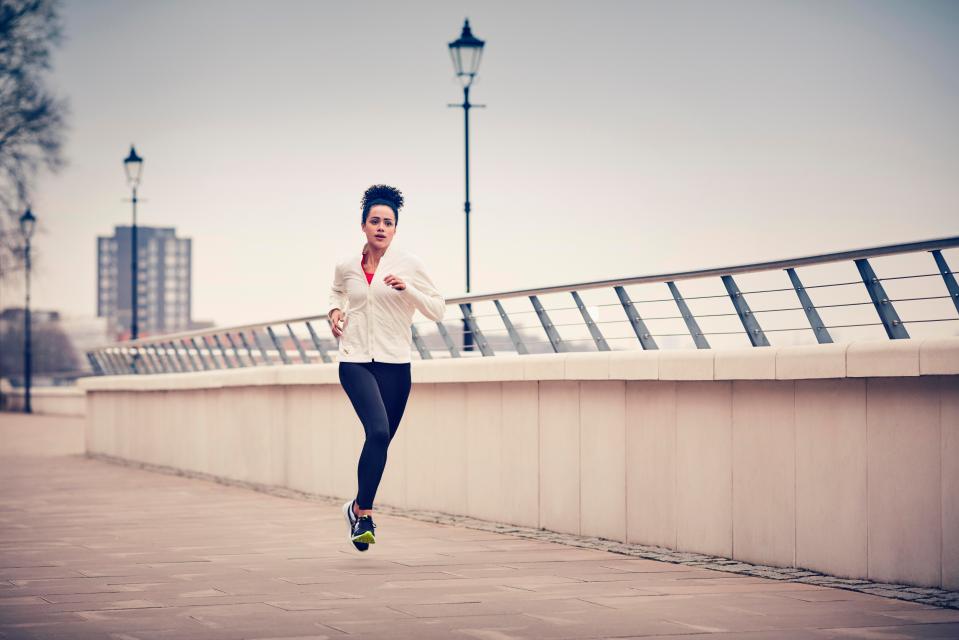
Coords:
351,521
363,530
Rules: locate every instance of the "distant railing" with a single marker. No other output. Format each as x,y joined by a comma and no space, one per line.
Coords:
845,284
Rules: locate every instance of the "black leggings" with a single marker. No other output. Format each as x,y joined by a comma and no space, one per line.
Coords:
378,391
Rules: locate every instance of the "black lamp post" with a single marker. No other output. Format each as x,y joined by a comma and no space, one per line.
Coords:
133,165
27,224
466,52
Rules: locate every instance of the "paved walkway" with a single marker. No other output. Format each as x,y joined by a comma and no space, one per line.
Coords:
90,549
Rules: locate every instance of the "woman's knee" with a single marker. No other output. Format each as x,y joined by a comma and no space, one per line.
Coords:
379,437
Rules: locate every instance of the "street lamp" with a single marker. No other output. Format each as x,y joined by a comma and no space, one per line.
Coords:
466,52
133,165
27,224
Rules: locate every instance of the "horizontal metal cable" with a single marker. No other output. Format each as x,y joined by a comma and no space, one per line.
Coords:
772,310
924,275
723,295
863,324
747,293
834,284
922,298
842,304
669,335
931,320
644,318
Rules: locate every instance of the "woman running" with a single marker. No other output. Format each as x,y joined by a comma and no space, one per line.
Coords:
374,295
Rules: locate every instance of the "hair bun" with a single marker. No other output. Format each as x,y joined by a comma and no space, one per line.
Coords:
382,192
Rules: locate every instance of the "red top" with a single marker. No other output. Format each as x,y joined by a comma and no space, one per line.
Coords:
369,276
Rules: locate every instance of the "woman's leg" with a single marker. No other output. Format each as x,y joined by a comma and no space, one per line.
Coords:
361,386
395,382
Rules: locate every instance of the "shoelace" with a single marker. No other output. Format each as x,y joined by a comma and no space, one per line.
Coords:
356,524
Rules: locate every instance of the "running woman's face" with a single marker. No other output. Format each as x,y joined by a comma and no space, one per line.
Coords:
380,226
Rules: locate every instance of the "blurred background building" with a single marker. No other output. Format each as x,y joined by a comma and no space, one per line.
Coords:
164,272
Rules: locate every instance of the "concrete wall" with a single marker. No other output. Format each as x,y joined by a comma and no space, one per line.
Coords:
839,458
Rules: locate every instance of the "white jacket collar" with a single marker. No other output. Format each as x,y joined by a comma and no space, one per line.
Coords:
392,252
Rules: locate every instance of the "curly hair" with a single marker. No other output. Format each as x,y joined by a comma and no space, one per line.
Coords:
382,194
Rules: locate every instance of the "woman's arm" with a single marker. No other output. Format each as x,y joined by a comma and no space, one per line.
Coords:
422,294
338,297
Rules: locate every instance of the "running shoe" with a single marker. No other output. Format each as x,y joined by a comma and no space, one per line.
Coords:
351,520
363,530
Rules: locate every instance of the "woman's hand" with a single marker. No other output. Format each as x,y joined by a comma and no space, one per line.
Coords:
395,282
336,317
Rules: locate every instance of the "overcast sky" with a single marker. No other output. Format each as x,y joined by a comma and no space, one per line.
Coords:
620,138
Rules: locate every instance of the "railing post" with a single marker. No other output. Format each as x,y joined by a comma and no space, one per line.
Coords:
420,346
115,366
513,334
211,348
150,358
276,343
136,363
94,364
236,352
554,340
601,344
180,361
202,359
299,347
639,327
125,363
259,345
750,324
316,343
107,362
454,351
223,356
475,331
189,355
169,365
818,327
119,363
887,312
246,345
947,277
161,358
694,331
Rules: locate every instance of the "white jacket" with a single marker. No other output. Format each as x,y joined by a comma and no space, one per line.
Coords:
377,316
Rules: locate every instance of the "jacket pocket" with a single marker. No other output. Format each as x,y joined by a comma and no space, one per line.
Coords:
346,342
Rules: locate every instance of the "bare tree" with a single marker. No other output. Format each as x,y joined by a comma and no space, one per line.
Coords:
32,119
53,351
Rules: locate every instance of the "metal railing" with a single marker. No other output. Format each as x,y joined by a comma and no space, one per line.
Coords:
702,320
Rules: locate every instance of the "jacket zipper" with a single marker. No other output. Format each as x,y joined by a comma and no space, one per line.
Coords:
369,316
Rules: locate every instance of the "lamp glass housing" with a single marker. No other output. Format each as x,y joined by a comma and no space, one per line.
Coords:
133,165
466,53
28,223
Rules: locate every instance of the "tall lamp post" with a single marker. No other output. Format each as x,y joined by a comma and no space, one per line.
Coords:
27,224
133,165
466,52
